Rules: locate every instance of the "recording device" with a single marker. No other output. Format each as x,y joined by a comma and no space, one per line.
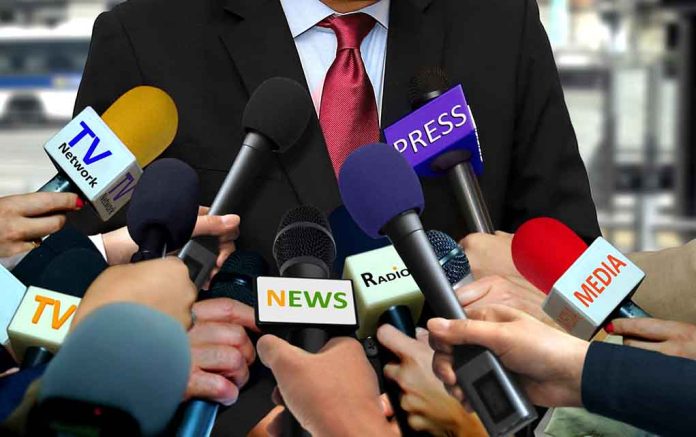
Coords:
275,118
237,278
164,209
44,316
122,371
440,137
452,258
586,287
383,194
100,159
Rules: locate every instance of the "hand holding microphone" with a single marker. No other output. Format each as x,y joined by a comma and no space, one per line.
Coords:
27,218
670,338
549,362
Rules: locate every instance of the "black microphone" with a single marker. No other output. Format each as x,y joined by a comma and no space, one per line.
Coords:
33,331
163,209
121,372
304,247
275,118
383,194
237,277
452,258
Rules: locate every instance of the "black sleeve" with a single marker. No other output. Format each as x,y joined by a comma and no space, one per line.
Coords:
110,71
548,176
646,389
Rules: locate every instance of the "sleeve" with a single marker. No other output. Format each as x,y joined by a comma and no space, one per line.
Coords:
111,70
646,389
548,177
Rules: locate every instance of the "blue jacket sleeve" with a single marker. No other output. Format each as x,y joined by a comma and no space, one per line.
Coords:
649,390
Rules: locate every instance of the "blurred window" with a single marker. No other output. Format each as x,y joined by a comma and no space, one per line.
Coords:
42,57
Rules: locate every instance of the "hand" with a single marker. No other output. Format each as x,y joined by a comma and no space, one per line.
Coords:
670,338
490,254
221,349
27,218
430,408
331,393
120,247
549,362
511,292
161,284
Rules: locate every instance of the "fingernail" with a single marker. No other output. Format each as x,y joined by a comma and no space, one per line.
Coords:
79,203
439,324
609,327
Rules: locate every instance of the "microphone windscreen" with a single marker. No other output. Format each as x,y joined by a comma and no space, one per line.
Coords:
377,184
145,119
72,272
304,232
279,109
124,356
350,239
451,256
30,269
426,81
543,249
237,277
166,197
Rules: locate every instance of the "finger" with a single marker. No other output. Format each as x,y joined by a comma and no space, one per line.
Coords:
225,310
275,427
36,204
423,336
442,368
224,226
224,360
396,341
276,353
38,227
277,397
387,408
495,313
223,334
203,210
420,423
645,328
347,346
214,387
391,371
473,292
225,250
468,331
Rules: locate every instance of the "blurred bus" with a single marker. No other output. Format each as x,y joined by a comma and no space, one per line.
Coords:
40,71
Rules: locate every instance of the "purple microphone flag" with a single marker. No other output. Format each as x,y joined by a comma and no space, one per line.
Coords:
441,126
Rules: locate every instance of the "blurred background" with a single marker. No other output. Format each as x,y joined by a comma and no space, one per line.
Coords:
627,68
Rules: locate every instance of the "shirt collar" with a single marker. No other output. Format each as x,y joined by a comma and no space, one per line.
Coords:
302,15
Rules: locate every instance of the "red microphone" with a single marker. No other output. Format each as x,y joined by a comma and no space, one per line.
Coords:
585,286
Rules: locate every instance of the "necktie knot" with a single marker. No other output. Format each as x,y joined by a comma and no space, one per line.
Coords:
350,29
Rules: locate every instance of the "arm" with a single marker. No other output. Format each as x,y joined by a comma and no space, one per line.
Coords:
646,389
548,177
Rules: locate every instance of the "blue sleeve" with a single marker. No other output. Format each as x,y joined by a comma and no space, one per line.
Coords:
13,387
649,390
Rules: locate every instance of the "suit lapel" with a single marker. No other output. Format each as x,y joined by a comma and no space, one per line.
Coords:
261,47
416,38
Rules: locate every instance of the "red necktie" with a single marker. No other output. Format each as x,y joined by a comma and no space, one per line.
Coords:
348,111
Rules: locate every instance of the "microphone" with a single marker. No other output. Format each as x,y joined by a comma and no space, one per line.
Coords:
122,371
161,219
237,278
101,158
350,239
383,194
586,287
43,317
275,118
440,137
452,258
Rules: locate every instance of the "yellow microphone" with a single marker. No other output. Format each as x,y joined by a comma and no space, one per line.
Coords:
101,158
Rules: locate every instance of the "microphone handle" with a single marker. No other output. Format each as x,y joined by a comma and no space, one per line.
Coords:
467,191
59,184
35,356
200,253
493,393
399,316
629,310
309,339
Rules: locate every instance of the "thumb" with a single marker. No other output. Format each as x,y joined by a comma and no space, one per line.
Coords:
276,353
216,225
467,331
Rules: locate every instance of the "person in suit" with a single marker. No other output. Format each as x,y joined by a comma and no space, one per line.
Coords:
210,55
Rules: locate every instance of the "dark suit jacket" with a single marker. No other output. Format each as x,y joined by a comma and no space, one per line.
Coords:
646,389
209,55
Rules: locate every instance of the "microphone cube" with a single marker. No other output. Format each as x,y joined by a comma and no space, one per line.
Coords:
42,319
96,161
595,285
381,280
441,128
